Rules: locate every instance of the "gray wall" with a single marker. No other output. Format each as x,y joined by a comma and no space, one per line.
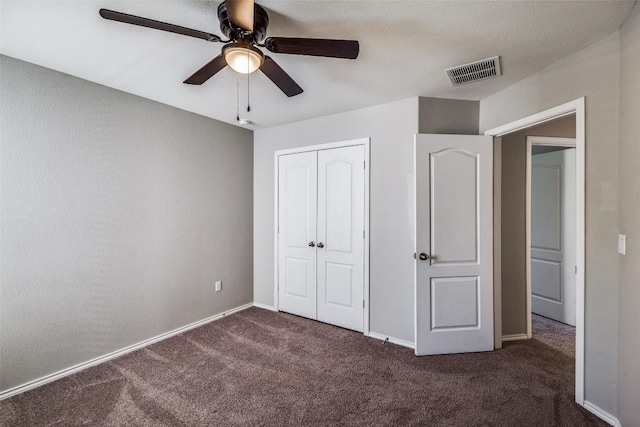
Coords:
391,128
448,116
514,187
629,181
594,73
117,216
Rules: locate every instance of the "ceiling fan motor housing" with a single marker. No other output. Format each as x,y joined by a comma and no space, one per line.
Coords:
260,24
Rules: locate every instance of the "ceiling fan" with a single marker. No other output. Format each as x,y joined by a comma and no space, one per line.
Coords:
245,24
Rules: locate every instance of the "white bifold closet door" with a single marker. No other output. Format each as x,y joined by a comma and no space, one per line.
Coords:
321,235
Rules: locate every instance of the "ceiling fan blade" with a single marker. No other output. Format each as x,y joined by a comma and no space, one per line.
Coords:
157,25
347,49
240,13
206,72
281,79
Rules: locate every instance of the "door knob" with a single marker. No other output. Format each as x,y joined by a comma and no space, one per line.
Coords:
423,256
320,245
311,244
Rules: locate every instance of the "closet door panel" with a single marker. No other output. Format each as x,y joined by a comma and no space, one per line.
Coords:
297,206
340,252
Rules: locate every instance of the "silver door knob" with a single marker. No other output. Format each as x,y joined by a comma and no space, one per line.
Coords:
312,244
320,245
423,256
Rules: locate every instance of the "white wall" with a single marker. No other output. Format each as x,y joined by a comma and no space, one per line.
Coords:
594,73
629,181
117,216
391,128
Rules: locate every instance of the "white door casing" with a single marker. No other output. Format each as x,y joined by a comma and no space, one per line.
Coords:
552,217
454,229
297,204
341,235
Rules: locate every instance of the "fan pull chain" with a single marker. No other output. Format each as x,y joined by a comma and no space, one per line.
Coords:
237,98
248,105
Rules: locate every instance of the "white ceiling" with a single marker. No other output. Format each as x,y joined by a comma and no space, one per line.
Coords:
405,46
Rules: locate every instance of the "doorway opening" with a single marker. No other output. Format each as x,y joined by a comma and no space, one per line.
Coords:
550,228
551,236
511,225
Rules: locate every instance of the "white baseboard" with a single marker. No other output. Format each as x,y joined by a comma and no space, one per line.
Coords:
392,340
101,359
602,414
515,337
264,306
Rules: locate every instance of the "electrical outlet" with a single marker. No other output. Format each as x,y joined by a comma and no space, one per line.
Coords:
622,244
218,286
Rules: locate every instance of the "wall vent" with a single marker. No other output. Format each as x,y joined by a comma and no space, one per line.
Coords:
475,71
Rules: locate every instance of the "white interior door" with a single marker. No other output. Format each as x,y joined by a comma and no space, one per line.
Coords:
454,244
340,247
297,205
553,218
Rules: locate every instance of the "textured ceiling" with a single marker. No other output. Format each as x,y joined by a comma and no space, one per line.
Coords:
405,46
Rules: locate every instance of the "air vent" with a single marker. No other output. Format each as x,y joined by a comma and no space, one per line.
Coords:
476,71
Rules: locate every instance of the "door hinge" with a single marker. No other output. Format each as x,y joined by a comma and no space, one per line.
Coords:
414,256
576,269
363,304
363,234
278,287
364,164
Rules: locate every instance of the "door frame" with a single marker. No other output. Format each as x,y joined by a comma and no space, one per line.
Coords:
576,107
531,141
366,142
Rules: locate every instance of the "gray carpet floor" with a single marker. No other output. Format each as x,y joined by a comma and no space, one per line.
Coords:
262,368
556,335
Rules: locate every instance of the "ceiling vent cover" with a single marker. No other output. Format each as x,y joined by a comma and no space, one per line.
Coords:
475,71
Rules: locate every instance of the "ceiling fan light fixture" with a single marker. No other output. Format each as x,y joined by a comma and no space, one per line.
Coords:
242,57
